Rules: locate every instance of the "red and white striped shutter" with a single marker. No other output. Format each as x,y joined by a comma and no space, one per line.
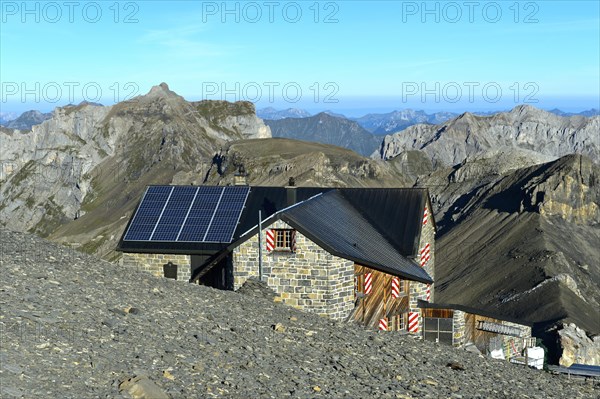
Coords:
368,283
413,321
395,287
383,324
425,216
425,254
293,241
428,292
270,238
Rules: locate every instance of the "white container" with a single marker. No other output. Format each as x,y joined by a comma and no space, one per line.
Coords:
535,357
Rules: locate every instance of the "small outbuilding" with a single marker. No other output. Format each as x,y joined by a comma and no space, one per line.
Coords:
492,334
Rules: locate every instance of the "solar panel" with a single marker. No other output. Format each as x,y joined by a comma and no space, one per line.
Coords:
188,214
148,213
174,213
195,227
227,214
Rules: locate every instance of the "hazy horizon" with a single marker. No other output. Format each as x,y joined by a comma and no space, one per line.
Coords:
354,107
348,57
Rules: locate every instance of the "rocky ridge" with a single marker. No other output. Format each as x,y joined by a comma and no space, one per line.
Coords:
54,173
524,127
395,121
326,129
274,114
272,162
77,327
26,120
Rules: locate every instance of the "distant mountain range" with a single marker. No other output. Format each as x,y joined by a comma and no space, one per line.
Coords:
378,124
26,120
273,114
6,117
398,120
327,129
525,127
589,113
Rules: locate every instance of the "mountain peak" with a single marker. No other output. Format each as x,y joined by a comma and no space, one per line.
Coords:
161,90
525,109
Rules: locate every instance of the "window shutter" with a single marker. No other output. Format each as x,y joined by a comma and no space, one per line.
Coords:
368,283
395,287
270,238
293,241
425,255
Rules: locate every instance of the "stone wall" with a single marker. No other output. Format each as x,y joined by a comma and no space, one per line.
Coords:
419,290
310,279
458,328
153,263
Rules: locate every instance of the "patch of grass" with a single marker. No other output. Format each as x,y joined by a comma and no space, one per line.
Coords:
25,172
53,219
91,247
30,202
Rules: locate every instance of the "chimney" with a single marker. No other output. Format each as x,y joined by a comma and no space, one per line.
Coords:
290,192
239,179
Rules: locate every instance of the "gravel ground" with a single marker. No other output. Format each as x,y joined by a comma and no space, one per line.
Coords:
74,326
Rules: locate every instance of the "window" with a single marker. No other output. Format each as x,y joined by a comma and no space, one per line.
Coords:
285,240
399,322
437,329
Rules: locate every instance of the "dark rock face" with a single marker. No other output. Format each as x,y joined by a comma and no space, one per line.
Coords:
522,243
68,331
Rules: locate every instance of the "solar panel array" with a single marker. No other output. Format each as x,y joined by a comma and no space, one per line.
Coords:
188,214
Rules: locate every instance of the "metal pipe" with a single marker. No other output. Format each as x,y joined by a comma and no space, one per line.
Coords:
260,271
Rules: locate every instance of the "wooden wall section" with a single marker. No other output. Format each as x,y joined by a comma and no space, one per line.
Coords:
379,303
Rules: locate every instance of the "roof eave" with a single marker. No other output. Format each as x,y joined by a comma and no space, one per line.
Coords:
363,262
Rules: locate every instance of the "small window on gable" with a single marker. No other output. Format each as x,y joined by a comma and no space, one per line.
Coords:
285,240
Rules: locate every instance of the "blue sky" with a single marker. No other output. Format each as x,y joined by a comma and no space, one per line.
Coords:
347,56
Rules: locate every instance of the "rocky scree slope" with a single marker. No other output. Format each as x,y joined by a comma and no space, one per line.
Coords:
524,242
94,161
74,326
525,127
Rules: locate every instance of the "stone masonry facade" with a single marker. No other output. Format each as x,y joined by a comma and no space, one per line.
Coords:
153,263
459,325
419,290
310,279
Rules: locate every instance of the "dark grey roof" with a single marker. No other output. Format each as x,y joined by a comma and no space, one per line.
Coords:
331,221
397,213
